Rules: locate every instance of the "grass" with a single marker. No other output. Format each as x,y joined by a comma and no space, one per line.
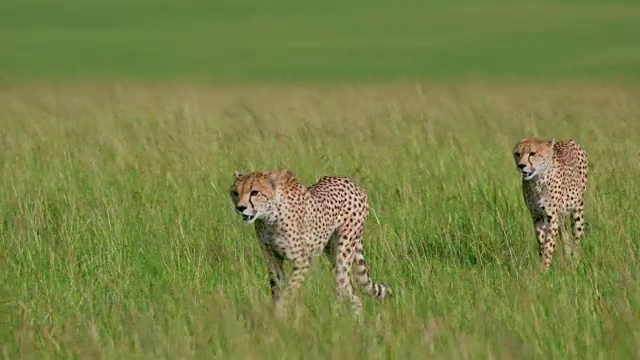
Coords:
119,239
328,41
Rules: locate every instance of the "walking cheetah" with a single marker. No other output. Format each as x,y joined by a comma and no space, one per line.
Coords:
297,223
554,179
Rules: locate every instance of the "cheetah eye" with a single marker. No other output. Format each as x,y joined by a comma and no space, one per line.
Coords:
254,193
235,193
532,153
516,154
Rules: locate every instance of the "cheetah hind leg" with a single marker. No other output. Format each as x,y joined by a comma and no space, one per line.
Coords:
344,257
578,229
344,284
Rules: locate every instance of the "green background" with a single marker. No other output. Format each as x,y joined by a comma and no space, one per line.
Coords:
230,41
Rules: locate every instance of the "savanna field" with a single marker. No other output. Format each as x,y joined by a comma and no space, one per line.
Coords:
122,124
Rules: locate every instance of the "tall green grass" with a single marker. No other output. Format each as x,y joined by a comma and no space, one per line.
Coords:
300,41
119,239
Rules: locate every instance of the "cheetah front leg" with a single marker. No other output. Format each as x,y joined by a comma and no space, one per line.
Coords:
546,238
276,272
540,227
300,268
550,240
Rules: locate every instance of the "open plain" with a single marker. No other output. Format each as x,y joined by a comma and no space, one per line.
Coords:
123,122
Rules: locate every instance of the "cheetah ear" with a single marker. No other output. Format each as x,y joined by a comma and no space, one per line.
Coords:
238,174
278,176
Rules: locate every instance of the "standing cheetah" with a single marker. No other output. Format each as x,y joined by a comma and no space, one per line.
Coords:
297,223
554,179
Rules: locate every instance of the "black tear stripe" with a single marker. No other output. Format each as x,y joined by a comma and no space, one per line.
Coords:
250,185
250,197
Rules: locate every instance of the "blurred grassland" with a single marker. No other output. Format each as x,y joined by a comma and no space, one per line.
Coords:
226,41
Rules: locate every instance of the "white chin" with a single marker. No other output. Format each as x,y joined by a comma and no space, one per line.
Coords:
249,219
528,176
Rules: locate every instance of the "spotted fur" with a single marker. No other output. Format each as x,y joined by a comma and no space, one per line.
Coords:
297,223
554,179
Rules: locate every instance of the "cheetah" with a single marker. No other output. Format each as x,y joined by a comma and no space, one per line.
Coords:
297,223
554,179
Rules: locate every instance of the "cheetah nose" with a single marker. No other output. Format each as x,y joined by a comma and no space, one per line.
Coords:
522,166
241,208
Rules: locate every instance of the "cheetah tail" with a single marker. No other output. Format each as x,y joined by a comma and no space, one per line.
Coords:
378,291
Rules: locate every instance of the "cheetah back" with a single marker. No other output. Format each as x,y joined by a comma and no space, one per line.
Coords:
334,202
572,167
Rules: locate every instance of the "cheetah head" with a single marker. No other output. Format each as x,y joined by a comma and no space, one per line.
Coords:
253,194
533,156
